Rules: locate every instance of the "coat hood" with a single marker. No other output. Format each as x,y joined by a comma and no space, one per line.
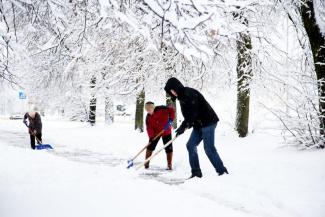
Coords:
174,84
32,114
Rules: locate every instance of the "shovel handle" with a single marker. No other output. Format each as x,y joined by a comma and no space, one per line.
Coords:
31,132
39,142
156,153
159,134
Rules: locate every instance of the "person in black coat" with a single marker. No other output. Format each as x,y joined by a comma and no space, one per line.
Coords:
34,127
200,115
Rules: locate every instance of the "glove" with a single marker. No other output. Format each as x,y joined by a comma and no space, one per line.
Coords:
169,123
180,130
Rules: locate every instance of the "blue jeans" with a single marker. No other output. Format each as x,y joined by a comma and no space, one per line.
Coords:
207,135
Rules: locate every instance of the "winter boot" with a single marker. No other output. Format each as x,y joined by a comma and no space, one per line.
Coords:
224,171
169,160
196,174
148,154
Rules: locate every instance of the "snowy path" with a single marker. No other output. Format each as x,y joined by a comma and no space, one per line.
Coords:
85,176
18,139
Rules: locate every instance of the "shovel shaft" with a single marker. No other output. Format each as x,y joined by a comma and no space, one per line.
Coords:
31,132
159,134
39,142
156,153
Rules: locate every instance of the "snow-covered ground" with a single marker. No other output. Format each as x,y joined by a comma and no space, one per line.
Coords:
85,175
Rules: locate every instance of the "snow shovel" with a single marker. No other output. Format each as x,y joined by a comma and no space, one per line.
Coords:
130,162
40,145
156,153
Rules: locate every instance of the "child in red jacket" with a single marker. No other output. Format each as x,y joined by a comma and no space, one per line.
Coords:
156,121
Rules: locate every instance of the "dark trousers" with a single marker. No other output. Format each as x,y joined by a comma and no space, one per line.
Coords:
165,139
32,139
207,135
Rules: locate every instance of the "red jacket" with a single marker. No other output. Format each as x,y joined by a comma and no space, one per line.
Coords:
156,122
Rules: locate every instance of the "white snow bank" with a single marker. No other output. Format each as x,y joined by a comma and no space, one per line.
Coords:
85,176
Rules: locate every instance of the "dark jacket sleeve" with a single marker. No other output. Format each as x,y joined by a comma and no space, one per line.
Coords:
38,123
190,107
24,119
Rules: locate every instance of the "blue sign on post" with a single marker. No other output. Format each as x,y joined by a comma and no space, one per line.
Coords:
22,94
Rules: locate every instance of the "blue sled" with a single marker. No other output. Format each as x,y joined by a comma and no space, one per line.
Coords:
43,146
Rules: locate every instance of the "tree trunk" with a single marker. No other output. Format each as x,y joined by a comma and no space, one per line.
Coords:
244,75
109,110
168,57
93,101
169,102
317,44
139,111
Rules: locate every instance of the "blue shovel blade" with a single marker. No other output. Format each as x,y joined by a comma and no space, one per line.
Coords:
43,146
130,164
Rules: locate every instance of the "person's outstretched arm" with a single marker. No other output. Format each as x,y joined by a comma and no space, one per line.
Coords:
150,130
25,119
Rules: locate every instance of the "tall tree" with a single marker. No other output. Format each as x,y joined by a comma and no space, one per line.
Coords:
244,74
168,57
171,103
93,101
317,44
139,111
109,110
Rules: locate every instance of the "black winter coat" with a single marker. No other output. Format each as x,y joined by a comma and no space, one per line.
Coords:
34,123
196,110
